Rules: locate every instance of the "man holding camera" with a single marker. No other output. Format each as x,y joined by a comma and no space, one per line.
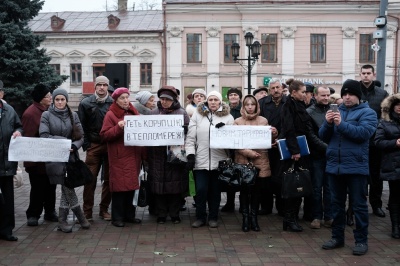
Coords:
347,133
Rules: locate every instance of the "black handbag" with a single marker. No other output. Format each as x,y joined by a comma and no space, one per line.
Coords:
296,182
248,173
143,191
228,173
78,173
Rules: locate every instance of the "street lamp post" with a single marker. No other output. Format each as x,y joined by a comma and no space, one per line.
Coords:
252,57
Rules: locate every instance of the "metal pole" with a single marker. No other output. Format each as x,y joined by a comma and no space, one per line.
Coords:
249,72
381,56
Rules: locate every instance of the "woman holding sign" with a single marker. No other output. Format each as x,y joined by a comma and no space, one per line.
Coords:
168,180
250,194
211,113
124,160
59,122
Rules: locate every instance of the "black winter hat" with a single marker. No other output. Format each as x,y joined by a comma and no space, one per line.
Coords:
353,87
260,89
39,91
234,90
309,87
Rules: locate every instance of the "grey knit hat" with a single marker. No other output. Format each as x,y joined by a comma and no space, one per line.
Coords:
60,91
143,97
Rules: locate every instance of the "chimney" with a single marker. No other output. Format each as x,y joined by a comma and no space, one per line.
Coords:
122,5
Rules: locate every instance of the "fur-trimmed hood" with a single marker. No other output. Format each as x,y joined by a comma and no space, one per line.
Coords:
202,109
387,106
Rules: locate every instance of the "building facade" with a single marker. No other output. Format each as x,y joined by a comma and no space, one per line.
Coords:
322,42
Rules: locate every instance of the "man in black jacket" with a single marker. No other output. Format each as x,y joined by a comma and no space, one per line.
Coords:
321,205
374,96
92,111
270,108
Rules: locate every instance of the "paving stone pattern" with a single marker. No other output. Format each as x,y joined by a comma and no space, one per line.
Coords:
168,244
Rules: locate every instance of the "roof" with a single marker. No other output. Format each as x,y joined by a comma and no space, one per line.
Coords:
144,20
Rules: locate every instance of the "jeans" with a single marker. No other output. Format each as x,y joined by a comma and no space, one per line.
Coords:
321,202
207,191
357,188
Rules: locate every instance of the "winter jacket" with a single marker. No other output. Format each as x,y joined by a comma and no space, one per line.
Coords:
166,178
387,134
92,113
190,108
143,110
9,123
296,122
30,123
245,156
56,124
348,143
198,137
235,111
124,161
374,97
317,113
271,112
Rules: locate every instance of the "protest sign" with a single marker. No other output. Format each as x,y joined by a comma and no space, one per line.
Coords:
240,137
153,130
39,149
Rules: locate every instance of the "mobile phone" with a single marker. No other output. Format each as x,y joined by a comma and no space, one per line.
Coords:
334,108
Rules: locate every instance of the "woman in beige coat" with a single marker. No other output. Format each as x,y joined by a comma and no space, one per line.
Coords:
259,157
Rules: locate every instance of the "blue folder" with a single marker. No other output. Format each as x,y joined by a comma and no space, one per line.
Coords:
284,151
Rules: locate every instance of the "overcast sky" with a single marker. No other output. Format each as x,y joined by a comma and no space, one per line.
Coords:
80,5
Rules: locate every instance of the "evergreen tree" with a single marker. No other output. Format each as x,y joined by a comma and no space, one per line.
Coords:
22,63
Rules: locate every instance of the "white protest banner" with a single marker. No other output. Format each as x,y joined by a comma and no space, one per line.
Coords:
153,130
240,137
39,149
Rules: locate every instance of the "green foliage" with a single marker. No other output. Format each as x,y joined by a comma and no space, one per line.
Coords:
22,63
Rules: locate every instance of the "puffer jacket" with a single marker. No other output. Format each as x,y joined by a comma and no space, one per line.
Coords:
124,161
348,143
166,178
91,113
386,136
198,137
56,124
245,156
9,123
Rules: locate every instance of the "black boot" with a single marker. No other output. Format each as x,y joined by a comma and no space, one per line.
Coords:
394,210
254,209
290,221
244,205
230,201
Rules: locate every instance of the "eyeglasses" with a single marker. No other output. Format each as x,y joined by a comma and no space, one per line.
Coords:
48,96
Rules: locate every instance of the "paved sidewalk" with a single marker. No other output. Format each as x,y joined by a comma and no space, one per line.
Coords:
152,244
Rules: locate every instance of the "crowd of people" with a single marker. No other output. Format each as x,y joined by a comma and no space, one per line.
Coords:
353,137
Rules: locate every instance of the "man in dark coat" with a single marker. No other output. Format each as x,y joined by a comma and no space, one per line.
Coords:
92,111
270,108
43,194
10,126
374,96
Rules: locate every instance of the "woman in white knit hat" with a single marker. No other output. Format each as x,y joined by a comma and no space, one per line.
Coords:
144,102
204,161
198,96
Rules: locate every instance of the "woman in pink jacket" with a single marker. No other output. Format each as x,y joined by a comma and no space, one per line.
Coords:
124,160
249,195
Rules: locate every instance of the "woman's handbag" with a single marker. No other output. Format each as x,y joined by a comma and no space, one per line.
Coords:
78,173
143,189
235,174
296,182
228,173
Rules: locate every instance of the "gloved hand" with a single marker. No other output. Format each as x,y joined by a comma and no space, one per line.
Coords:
191,161
220,124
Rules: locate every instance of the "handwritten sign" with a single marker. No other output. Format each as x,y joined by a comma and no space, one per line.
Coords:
153,130
240,137
39,149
